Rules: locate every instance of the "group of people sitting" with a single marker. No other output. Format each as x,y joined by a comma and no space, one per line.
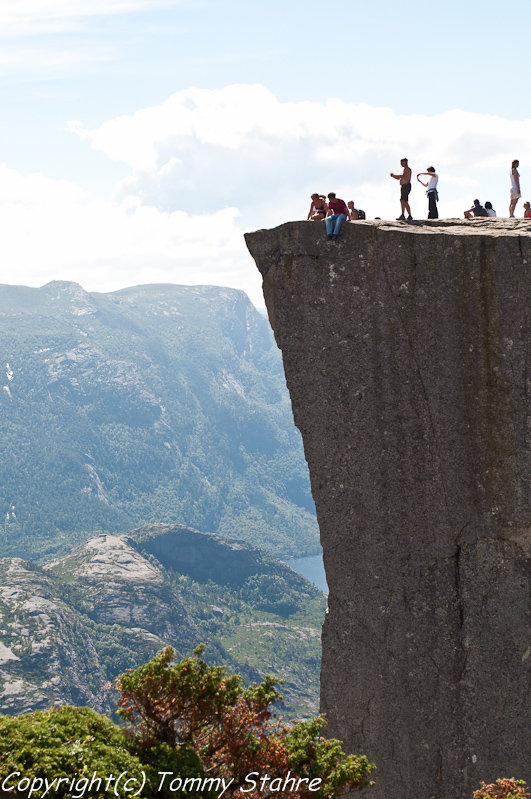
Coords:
487,210
480,210
335,212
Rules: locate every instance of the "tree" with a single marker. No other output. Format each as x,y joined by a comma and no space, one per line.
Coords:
503,789
190,708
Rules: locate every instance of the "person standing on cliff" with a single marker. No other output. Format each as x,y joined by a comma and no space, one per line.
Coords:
405,188
515,186
431,186
337,214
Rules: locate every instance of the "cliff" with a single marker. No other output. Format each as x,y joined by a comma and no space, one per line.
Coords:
406,350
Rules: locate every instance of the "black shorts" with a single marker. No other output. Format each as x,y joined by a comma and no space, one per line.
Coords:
405,188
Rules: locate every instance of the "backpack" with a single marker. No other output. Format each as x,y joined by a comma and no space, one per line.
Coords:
361,214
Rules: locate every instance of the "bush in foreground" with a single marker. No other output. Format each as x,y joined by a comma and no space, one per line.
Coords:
63,748
233,730
193,731
503,789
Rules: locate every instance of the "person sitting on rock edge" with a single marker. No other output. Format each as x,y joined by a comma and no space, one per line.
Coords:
337,214
318,208
476,210
489,209
527,211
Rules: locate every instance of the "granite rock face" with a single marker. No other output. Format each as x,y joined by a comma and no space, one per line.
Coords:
407,356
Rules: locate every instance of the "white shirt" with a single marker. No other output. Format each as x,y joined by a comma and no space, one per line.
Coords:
433,182
491,212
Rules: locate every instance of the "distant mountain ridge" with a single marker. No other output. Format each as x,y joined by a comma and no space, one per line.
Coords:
70,626
156,403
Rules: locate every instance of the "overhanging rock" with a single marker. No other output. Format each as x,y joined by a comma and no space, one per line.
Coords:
407,356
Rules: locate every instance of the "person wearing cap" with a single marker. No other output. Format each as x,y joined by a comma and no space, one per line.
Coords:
405,188
431,186
337,214
476,210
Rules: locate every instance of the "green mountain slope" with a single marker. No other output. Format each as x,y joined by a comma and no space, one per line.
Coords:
70,626
156,403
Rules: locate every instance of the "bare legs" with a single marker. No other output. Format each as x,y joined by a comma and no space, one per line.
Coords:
404,205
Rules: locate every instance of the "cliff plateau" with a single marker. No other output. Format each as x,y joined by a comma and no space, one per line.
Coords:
407,351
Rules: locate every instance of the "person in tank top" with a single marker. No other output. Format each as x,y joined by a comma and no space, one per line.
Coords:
318,208
515,186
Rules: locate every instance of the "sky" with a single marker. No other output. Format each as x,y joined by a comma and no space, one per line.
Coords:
141,138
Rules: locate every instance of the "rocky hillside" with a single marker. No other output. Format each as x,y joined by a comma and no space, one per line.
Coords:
154,403
70,626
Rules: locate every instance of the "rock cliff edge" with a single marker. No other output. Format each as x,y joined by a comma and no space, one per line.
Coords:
407,355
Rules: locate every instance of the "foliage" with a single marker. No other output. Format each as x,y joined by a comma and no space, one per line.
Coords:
189,720
67,743
503,789
271,592
233,730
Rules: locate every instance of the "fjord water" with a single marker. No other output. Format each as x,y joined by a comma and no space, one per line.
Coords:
312,568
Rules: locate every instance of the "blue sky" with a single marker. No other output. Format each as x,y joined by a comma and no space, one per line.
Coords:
141,138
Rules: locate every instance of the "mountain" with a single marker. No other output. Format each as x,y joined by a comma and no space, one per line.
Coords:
68,627
156,403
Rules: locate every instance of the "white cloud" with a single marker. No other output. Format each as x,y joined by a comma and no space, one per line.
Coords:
52,231
34,20
42,63
207,165
203,149
37,17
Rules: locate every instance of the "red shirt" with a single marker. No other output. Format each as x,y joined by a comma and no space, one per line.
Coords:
338,206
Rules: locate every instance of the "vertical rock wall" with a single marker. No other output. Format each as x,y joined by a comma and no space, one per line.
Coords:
406,351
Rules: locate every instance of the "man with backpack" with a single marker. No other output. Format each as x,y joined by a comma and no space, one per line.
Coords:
355,213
